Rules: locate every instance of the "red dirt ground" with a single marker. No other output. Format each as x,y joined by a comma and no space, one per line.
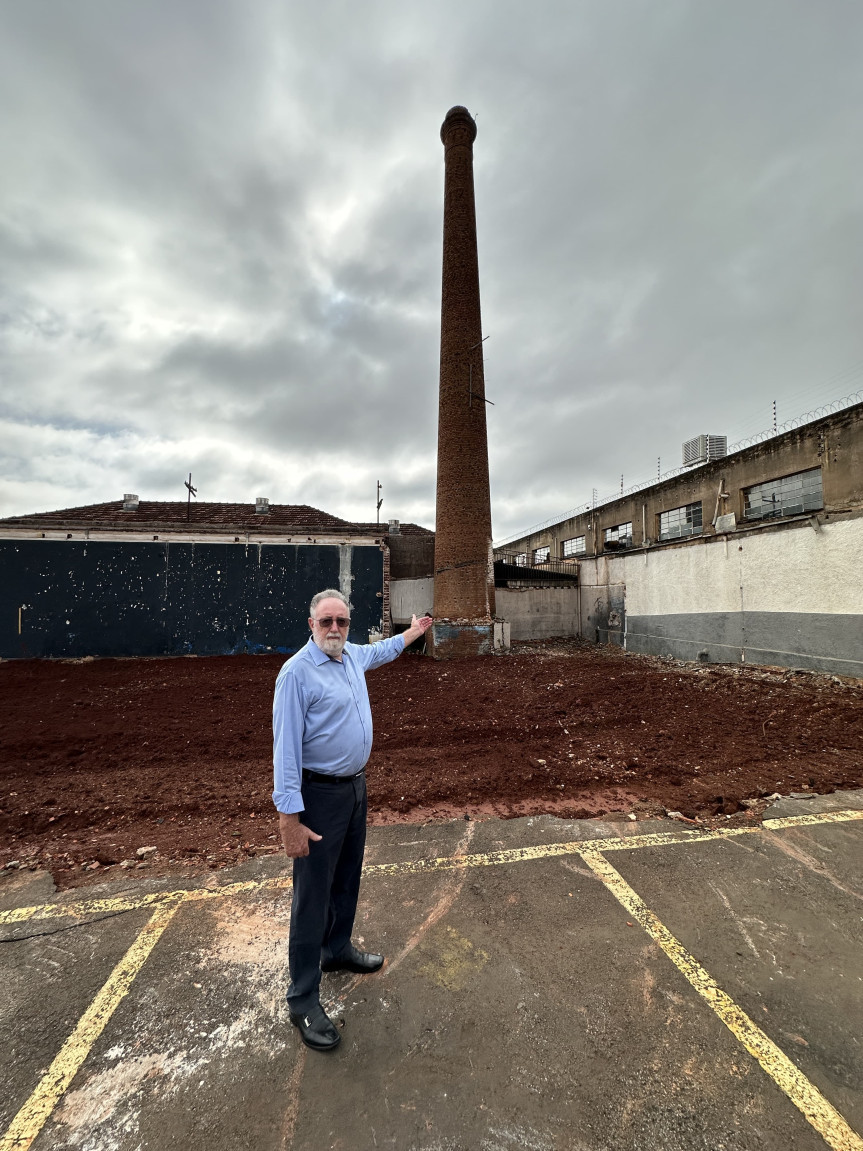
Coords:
101,757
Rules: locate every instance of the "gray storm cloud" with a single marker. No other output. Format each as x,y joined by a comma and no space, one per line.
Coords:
220,242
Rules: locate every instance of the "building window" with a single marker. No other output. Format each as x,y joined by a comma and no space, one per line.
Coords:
679,522
620,536
574,547
788,496
541,555
521,559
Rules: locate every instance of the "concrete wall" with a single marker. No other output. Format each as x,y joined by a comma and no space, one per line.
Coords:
410,597
788,594
539,612
533,613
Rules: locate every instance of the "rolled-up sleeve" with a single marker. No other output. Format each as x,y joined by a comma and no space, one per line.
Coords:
288,719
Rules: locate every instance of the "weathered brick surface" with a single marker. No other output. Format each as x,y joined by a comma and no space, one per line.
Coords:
464,574
450,640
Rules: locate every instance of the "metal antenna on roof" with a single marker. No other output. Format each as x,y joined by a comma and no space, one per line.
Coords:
192,492
380,501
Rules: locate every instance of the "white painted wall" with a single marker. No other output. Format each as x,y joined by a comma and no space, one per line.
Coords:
789,569
805,570
788,594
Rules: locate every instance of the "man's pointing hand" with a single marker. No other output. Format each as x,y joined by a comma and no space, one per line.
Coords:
418,627
296,837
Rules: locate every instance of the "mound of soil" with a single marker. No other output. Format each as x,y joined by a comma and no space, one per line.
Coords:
103,757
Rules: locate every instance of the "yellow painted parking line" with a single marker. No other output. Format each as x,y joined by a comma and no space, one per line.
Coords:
33,1115
408,867
121,903
414,866
805,1096
807,820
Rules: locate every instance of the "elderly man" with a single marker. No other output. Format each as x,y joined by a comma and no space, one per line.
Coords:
322,738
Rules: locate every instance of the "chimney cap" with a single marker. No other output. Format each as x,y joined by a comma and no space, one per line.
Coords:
262,505
458,116
130,502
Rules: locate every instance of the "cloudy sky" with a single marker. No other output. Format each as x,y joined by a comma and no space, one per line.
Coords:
220,240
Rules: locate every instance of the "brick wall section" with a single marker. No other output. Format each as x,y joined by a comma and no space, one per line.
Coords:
464,574
411,557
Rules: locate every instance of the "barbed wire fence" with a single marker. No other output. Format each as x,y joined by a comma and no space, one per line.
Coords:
759,437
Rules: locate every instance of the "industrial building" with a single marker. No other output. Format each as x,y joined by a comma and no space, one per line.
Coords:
755,556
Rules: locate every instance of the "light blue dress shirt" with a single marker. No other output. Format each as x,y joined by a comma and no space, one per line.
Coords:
322,719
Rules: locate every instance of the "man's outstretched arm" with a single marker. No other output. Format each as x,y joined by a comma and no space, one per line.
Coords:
374,655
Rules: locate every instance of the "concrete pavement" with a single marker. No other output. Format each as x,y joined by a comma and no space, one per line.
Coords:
550,985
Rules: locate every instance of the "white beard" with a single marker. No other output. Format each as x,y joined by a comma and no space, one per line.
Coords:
332,647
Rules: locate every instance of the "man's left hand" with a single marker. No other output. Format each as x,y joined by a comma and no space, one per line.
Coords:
418,627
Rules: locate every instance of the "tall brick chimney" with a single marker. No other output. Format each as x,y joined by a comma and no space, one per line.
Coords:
464,569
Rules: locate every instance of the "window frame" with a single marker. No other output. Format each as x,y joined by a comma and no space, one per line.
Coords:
545,559
621,541
812,496
567,555
688,522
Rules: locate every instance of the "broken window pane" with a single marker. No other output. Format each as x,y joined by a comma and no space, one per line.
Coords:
620,536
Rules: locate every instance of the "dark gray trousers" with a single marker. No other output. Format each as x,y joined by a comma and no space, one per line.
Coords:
326,884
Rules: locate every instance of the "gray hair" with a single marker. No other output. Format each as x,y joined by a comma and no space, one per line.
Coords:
327,593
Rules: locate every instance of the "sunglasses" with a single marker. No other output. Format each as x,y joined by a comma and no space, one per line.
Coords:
326,620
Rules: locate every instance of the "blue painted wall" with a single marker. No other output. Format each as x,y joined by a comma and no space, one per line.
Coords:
86,597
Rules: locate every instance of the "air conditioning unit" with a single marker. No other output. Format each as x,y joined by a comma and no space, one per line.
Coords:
703,449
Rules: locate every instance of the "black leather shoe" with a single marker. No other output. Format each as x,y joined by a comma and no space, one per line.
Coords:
362,962
317,1029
